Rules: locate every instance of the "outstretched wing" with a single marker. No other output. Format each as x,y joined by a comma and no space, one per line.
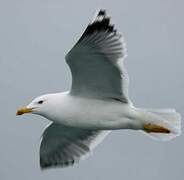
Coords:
96,62
63,146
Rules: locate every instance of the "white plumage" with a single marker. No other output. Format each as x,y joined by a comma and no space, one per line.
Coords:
97,102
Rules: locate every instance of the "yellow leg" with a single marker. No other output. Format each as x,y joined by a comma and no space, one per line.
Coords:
153,128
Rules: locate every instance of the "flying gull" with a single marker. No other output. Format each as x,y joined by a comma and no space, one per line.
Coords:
97,102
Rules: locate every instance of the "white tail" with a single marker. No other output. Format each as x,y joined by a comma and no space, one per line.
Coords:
167,119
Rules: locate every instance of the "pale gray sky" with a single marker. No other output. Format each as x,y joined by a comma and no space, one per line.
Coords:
34,37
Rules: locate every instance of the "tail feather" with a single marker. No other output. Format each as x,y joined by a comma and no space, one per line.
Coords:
168,120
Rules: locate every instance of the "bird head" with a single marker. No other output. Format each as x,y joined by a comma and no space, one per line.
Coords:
38,106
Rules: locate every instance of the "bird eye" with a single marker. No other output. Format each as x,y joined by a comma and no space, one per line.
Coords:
40,102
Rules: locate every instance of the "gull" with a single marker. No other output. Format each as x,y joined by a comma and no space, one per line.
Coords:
97,101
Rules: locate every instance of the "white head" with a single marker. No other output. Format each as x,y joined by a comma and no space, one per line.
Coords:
39,105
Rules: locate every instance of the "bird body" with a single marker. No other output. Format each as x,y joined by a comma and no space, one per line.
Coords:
97,102
89,113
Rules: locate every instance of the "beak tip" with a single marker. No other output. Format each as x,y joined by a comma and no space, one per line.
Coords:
23,111
18,113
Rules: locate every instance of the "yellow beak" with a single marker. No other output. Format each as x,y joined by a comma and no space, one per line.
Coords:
23,110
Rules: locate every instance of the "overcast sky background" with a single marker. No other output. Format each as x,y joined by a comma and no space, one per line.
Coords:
35,35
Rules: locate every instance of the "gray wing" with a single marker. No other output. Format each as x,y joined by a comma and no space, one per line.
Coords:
96,62
63,146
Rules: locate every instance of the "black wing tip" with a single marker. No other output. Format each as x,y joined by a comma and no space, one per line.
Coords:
102,12
101,23
50,165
